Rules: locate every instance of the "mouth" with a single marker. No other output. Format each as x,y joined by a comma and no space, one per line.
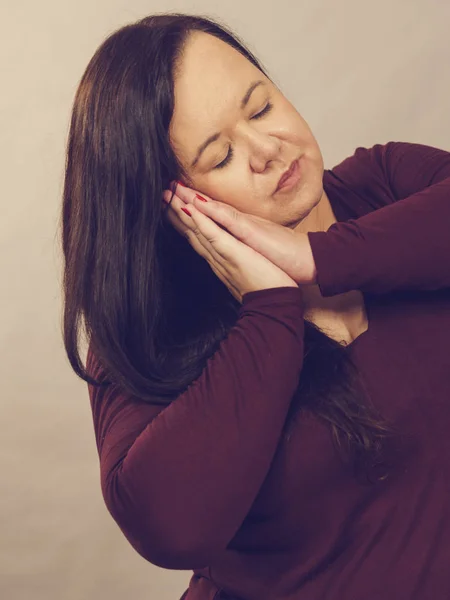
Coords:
290,177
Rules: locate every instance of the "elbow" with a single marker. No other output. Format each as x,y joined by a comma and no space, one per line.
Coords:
156,534
177,556
160,538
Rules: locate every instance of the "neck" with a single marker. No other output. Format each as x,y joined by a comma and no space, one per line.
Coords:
320,218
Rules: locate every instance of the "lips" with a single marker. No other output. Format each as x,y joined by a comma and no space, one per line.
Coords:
286,175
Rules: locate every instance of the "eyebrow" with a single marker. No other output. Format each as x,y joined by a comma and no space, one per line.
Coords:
215,136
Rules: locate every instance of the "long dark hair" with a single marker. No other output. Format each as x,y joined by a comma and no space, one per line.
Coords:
153,310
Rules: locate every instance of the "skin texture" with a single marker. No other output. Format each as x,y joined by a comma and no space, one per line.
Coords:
285,248
211,81
262,148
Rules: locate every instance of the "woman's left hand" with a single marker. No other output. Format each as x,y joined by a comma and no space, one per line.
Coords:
284,247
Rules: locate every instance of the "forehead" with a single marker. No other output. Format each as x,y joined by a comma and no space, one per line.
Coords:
211,80
205,54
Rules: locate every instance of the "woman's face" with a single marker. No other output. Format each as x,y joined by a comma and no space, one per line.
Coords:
257,142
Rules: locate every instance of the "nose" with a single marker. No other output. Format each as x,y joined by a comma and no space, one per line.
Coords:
264,148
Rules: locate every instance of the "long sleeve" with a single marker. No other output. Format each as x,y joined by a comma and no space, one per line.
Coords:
179,480
404,243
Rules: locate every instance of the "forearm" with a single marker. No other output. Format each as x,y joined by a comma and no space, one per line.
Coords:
402,246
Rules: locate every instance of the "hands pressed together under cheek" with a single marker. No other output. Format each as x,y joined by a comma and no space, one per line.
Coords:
208,220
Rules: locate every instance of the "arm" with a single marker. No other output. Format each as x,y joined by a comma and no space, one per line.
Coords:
180,483
404,244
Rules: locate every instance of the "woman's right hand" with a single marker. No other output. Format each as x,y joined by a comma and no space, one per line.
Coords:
238,266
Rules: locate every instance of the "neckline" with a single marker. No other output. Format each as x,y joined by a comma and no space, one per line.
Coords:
365,334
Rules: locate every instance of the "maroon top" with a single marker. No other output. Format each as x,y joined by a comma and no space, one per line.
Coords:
208,483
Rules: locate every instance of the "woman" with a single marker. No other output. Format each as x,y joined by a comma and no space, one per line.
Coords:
268,370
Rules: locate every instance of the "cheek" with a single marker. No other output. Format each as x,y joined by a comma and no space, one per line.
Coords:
296,125
229,191
235,191
227,185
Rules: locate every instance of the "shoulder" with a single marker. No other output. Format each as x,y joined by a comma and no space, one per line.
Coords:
368,163
398,169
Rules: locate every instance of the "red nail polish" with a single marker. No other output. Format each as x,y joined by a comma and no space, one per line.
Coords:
201,198
182,184
185,210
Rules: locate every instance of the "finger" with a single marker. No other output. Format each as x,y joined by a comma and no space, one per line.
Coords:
222,275
206,225
200,244
173,214
213,219
192,231
205,249
223,214
188,194
181,222
207,232
211,235
226,217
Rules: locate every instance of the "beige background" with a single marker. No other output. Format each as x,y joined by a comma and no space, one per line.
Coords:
360,72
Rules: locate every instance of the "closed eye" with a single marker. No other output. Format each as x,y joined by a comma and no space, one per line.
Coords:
264,111
229,156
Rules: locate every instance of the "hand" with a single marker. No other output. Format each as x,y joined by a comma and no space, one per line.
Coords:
284,247
238,266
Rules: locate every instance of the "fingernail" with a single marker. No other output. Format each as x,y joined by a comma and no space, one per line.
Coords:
201,198
186,211
182,184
